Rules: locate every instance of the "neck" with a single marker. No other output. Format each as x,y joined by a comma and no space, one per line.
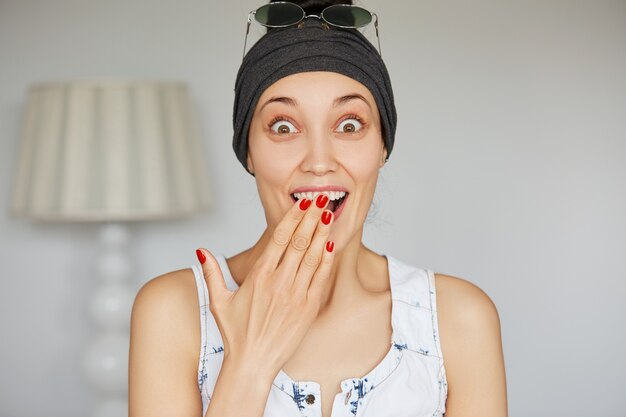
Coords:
356,272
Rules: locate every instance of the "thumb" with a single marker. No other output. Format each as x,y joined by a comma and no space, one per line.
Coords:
218,291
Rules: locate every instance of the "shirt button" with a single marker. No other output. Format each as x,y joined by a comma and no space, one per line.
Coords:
310,399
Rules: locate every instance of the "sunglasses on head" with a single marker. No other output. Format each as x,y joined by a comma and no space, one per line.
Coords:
282,14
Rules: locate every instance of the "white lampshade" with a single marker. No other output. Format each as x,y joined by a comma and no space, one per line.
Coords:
109,151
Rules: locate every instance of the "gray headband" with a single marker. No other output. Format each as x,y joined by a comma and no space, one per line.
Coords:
286,51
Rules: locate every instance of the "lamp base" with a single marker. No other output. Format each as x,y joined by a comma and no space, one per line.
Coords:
105,360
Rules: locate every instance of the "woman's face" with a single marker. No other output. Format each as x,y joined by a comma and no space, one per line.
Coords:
317,132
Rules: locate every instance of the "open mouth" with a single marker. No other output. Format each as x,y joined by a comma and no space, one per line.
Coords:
337,198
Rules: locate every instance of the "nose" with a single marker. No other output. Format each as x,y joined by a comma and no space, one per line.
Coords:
319,156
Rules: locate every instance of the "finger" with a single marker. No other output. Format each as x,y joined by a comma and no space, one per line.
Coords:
313,256
218,291
302,237
322,274
281,235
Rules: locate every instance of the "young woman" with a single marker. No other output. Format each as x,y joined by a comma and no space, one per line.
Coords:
308,321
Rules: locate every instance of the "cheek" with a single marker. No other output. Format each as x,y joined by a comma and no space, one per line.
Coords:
272,171
363,161
272,168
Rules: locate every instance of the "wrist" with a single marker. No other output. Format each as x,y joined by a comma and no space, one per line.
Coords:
245,367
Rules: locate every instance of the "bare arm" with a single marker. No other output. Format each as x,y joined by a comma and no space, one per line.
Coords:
163,366
472,350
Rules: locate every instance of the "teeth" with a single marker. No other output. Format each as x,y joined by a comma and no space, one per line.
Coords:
332,195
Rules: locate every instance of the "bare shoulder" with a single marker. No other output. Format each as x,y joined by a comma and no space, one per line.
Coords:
165,347
464,303
170,287
469,330
466,315
168,300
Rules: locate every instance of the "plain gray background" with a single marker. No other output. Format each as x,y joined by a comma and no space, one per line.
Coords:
509,171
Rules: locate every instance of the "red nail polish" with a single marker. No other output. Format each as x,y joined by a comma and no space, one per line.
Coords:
321,201
330,245
304,204
327,215
200,256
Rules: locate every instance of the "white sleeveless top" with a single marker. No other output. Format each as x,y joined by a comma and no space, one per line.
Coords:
410,381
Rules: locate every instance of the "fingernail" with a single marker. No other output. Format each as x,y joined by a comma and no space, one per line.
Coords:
200,256
327,215
304,204
321,201
330,245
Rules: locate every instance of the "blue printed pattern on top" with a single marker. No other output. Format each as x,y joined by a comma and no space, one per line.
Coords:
409,380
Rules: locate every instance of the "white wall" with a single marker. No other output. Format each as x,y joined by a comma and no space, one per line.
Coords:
509,170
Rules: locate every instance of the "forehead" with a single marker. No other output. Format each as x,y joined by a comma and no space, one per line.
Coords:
316,84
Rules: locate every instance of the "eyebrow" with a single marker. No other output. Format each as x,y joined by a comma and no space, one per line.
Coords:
337,102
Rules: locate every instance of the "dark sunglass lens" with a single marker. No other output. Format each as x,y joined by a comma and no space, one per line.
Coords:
279,14
349,16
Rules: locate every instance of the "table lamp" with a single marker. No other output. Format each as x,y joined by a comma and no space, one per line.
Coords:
112,152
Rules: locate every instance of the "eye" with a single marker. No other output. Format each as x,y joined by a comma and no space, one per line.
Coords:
280,126
348,124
